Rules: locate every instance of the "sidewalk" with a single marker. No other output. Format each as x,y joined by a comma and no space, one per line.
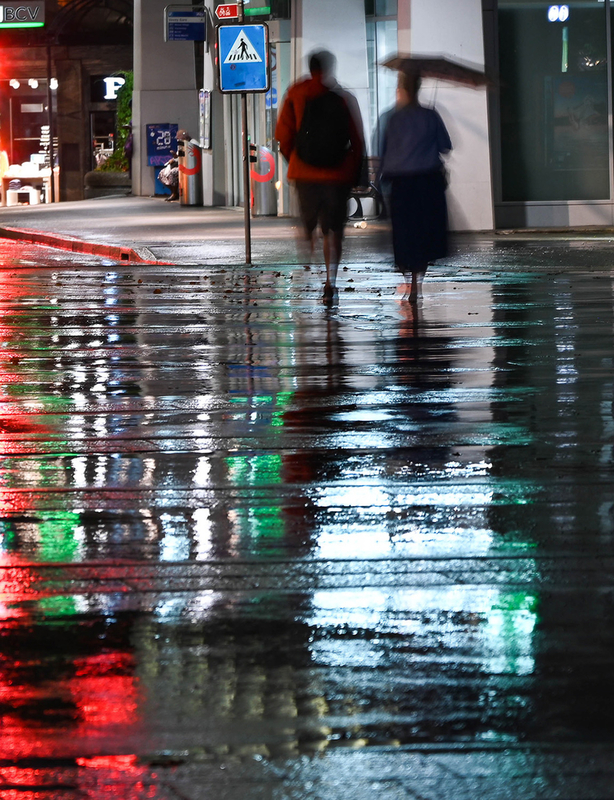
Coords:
148,229
159,231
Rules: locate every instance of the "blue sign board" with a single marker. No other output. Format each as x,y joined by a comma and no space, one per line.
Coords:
185,24
270,99
161,141
243,58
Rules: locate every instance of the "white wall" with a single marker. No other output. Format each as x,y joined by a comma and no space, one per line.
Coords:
165,88
337,26
452,28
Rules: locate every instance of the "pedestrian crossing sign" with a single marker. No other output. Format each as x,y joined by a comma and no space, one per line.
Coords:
243,58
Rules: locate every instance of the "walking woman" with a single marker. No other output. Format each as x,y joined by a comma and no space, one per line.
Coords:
414,140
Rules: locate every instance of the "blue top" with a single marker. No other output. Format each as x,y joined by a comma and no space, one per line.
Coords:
414,138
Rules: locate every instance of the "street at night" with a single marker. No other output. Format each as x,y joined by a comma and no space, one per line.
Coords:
254,548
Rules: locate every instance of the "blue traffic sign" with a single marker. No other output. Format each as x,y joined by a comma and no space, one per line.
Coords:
243,58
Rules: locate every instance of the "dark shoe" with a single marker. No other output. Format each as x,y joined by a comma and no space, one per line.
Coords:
330,297
171,197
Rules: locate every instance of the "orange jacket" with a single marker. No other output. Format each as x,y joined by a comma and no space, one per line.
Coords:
287,127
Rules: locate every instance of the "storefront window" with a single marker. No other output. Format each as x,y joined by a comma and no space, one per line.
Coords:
381,8
554,101
24,120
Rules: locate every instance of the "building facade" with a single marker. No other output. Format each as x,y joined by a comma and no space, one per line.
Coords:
551,113
533,149
361,34
50,84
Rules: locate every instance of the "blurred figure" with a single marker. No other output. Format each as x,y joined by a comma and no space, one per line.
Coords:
320,134
414,140
169,176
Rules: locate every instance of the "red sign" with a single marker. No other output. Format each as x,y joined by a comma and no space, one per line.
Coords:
228,11
266,156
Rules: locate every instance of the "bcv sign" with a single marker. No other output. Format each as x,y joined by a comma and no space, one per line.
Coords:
22,14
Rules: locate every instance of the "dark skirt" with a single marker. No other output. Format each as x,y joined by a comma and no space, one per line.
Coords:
419,220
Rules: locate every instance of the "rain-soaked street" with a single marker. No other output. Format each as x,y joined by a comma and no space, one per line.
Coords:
251,549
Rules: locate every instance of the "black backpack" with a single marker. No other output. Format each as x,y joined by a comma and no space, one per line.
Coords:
323,139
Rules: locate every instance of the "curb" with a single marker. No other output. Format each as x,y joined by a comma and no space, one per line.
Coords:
125,255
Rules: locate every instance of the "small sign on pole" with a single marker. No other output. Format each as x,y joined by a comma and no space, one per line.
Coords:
227,11
243,67
185,24
243,58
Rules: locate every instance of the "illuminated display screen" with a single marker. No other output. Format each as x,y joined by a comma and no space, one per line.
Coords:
22,14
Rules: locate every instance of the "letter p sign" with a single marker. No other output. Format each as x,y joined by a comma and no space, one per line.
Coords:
112,85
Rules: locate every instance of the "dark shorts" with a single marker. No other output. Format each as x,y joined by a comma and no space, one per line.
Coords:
325,203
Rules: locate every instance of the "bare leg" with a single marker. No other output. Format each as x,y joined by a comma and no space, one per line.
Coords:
306,245
333,245
415,292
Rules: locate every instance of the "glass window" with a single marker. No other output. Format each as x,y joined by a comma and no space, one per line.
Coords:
381,8
385,8
554,101
381,43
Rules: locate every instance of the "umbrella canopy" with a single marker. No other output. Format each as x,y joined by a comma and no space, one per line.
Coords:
437,67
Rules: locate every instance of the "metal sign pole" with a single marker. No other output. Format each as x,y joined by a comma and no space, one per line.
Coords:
243,59
50,122
246,182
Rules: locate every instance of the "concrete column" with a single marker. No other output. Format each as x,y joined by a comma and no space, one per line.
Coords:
72,127
165,86
341,28
214,164
404,25
450,28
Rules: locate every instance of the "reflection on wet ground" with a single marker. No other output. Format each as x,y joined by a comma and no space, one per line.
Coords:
252,548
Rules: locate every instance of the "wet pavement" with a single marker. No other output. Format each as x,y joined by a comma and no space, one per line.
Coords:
251,548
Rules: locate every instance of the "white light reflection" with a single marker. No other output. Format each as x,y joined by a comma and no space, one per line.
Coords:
420,495
203,532
78,467
566,333
170,608
175,544
80,401
463,625
100,475
100,426
149,470
196,608
201,473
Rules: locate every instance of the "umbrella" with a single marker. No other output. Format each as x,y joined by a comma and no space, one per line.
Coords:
437,67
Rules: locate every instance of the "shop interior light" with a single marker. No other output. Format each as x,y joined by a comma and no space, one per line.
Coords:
14,84
33,83
53,84
558,13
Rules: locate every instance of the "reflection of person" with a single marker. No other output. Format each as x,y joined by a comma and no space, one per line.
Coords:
414,140
323,191
585,113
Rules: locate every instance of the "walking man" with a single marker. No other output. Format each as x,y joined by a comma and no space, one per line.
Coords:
320,135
